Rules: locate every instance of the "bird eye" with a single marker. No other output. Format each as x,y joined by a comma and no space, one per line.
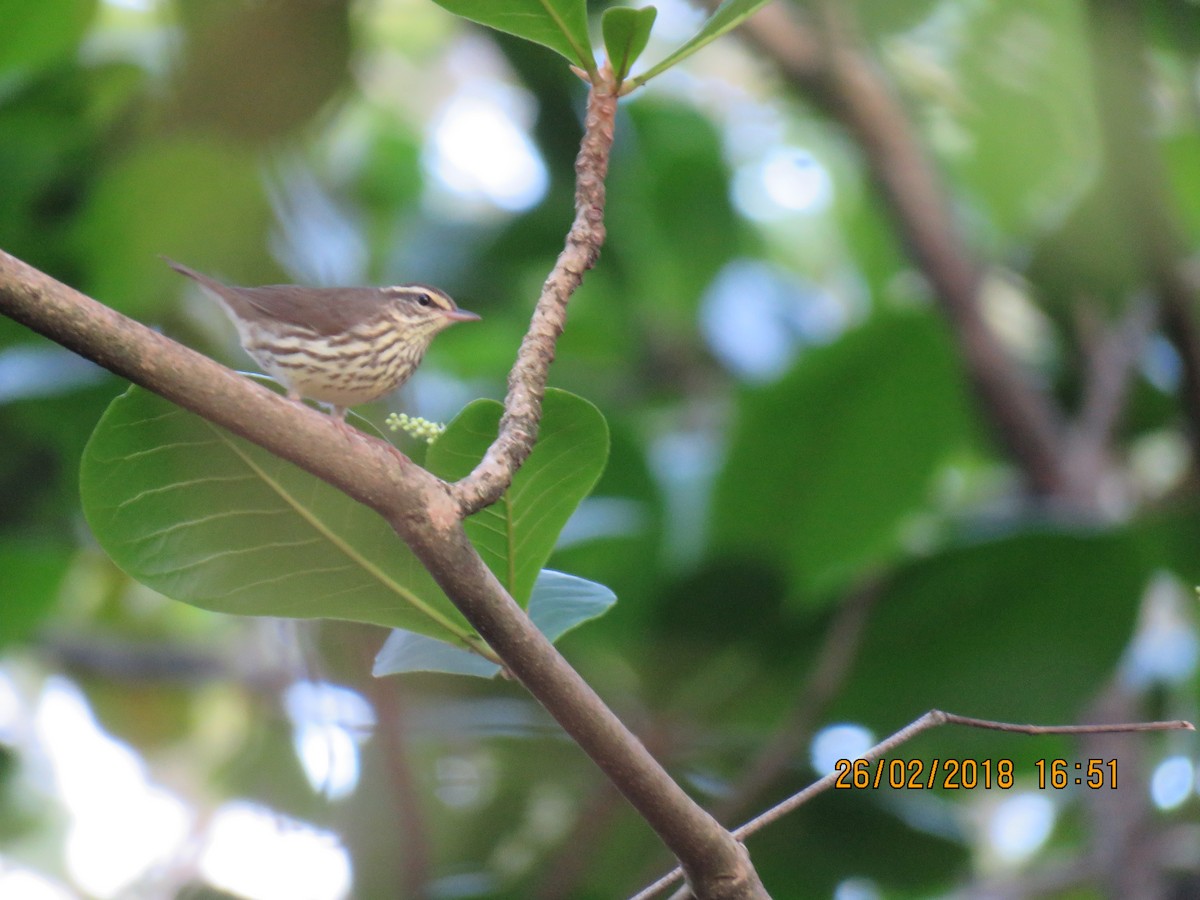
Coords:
424,300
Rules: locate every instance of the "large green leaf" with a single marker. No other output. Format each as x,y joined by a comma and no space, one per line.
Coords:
883,18
516,536
32,574
1019,629
1171,537
1019,96
826,464
211,520
726,17
1181,158
616,538
1088,254
560,25
671,239
868,835
36,34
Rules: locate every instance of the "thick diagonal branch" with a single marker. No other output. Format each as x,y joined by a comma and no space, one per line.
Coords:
423,513
527,380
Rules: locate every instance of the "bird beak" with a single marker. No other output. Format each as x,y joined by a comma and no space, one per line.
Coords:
462,315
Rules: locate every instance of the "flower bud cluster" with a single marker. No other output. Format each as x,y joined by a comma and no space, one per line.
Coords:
419,428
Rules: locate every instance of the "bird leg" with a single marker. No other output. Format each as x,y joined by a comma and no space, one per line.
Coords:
337,413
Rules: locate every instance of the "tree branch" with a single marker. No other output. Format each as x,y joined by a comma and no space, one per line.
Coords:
527,381
423,513
932,719
845,84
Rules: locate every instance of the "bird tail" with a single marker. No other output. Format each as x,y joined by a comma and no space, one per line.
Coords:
191,273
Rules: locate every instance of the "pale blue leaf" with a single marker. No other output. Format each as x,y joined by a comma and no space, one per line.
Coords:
559,603
405,651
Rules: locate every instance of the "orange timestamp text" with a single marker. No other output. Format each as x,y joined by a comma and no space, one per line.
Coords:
970,774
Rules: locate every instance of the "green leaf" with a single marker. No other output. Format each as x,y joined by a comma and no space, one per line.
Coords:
626,32
726,17
869,833
883,18
1181,158
1019,629
1022,106
826,464
560,25
37,34
32,575
1170,536
214,521
405,651
1087,254
559,603
516,535
673,240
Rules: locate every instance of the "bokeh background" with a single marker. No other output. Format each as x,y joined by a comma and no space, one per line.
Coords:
816,524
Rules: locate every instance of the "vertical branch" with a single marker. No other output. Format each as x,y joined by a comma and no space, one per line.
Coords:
527,380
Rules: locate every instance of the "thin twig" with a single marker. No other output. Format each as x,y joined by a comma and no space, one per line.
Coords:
527,380
932,719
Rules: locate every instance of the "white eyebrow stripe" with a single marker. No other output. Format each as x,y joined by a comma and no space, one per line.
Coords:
413,291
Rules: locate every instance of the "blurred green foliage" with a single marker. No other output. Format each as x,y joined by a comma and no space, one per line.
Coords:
738,514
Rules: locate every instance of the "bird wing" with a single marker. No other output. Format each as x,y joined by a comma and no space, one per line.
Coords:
325,310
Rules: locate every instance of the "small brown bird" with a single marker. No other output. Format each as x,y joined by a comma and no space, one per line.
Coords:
341,346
